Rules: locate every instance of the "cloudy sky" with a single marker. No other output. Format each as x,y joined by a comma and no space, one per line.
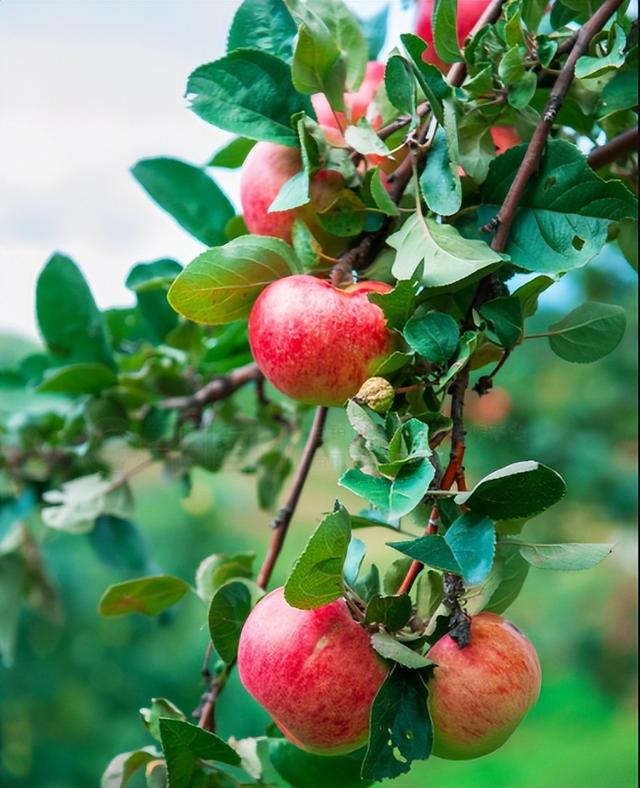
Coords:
88,87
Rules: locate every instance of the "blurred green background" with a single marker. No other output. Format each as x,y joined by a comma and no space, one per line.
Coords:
70,702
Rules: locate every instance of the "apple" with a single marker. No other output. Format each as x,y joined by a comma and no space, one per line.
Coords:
489,409
314,671
266,169
504,137
479,694
318,343
357,103
469,11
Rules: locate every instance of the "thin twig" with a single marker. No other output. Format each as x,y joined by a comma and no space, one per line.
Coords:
206,711
283,518
617,148
216,389
504,219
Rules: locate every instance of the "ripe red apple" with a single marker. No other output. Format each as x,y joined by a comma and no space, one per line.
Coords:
357,104
266,169
479,694
504,137
315,342
469,11
314,671
489,409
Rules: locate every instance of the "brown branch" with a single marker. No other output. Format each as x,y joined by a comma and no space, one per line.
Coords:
216,389
622,145
504,219
454,472
280,525
283,518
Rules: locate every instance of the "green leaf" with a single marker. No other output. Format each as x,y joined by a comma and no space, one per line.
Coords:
506,317
273,469
395,574
400,730
78,379
81,500
368,584
150,282
188,194
228,610
121,768
627,239
445,34
381,197
294,193
345,216
160,707
440,181
374,489
621,92
249,93
431,550
589,67
448,258
363,139
522,489
503,584
69,320
400,85
429,593
305,770
476,149
217,569
263,24
185,744
409,487
221,284
521,84
588,333
232,155
353,561
390,648
466,347
434,336
429,77
528,293
13,584
397,305
119,544
472,539
391,611
368,424
564,215
316,578
209,448
564,557
147,595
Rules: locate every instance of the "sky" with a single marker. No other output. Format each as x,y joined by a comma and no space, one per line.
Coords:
88,87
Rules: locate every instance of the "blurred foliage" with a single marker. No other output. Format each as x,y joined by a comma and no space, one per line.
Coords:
67,703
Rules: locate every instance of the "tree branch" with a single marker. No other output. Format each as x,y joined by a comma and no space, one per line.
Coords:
280,525
622,145
216,389
504,219
283,518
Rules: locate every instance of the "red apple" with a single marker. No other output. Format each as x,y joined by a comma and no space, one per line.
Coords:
357,104
314,671
266,169
315,342
489,409
504,137
479,694
469,11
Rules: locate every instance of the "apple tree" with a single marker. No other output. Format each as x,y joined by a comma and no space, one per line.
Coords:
399,222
